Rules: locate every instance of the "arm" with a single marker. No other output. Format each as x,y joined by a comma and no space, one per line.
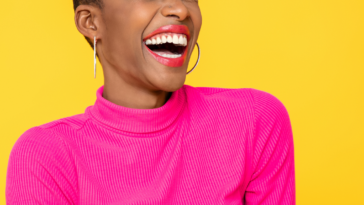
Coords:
40,170
273,179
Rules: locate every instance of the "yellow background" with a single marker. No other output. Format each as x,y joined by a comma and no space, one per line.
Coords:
309,54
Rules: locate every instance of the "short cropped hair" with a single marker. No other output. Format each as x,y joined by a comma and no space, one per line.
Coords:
76,3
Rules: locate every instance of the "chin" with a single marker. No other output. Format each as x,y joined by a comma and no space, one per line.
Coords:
170,83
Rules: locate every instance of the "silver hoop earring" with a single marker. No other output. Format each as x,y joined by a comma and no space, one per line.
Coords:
198,59
94,56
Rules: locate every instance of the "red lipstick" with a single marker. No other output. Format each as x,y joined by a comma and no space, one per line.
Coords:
182,29
166,51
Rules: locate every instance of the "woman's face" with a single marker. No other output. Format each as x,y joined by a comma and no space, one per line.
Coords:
148,43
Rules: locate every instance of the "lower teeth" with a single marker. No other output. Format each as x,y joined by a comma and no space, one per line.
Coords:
170,55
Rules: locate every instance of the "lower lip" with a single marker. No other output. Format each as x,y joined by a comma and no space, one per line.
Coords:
171,62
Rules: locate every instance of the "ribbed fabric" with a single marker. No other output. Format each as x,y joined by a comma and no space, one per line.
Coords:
203,146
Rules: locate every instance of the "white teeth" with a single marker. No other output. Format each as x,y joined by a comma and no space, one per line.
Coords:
175,39
185,41
170,55
181,41
164,39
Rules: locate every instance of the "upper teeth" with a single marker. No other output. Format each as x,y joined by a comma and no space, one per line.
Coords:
177,39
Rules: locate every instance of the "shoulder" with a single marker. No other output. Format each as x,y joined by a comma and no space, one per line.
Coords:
40,158
48,138
215,94
257,104
36,142
257,98
268,108
73,122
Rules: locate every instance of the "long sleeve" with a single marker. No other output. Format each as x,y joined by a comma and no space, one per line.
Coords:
38,170
273,179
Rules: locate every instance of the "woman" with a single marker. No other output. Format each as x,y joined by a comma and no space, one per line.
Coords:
150,139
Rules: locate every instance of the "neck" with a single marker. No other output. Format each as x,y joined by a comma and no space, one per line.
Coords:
121,93
129,94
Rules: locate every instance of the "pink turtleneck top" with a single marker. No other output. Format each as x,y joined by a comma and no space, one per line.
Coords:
203,146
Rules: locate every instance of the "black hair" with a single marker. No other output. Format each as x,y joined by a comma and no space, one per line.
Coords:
97,3
76,3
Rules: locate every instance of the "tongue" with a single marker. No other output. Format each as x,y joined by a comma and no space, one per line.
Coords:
162,51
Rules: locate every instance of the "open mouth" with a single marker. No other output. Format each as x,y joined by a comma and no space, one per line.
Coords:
168,44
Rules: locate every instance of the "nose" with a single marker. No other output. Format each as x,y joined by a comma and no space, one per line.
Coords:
175,9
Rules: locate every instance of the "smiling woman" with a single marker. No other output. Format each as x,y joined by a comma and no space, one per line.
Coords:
150,139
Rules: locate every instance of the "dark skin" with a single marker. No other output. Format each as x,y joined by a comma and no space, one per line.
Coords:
133,78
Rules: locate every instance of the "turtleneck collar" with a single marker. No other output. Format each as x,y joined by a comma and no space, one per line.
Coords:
137,120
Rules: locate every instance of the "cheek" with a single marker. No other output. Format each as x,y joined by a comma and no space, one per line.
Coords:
129,19
196,17
123,31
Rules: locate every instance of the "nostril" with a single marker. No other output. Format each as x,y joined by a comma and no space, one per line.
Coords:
172,15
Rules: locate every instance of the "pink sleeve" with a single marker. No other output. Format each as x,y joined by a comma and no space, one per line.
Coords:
39,171
273,179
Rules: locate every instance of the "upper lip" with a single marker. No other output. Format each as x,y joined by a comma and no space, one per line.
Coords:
181,29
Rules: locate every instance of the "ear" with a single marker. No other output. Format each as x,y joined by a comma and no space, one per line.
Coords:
88,20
